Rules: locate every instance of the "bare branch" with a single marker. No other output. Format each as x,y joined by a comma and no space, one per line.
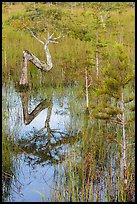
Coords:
50,37
131,144
115,121
54,41
89,84
35,36
119,118
33,33
58,37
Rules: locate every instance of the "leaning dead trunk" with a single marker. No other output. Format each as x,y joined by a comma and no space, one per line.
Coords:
27,56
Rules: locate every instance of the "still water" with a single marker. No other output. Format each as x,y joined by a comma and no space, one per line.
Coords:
56,144
43,127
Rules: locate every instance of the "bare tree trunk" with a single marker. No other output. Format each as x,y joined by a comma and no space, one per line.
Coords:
124,143
24,76
27,56
5,59
121,35
97,63
73,4
103,21
97,58
86,82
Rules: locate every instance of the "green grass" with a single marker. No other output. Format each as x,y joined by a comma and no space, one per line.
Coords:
68,60
90,162
92,170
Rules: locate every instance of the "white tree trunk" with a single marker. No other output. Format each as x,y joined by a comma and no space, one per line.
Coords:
97,51
27,56
86,82
124,143
103,21
5,59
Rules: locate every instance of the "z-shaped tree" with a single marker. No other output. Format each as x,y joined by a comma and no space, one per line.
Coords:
27,56
45,145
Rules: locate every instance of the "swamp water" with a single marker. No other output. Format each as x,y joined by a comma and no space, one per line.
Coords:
56,152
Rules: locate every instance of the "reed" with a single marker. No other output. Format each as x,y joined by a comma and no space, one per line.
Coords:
92,168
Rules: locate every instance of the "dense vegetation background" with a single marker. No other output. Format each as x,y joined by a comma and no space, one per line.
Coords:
79,23
97,53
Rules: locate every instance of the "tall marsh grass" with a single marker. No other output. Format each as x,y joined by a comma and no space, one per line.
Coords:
92,170
70,55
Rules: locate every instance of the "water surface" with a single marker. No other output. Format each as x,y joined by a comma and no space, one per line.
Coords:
40,145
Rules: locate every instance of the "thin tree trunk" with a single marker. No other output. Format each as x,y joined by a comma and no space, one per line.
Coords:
24,76
103,22
5,59
97,63
97,58
124,143
73,4
86,82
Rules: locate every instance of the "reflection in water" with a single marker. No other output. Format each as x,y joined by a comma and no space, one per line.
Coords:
46,144
61,150
43,135
28,117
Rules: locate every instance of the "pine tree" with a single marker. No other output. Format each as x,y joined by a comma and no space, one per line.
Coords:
114,105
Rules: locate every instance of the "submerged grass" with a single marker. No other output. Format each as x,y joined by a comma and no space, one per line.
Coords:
9,156
8,167
92,170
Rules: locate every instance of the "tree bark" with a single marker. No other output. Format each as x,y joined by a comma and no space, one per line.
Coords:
27,56
124,143
86,82
5,59
97,58
103,22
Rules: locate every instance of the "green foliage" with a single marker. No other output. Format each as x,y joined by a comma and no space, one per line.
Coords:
79,23
116,76
79,28
132,108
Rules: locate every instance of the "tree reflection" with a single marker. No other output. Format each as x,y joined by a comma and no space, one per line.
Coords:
45,145
29,117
